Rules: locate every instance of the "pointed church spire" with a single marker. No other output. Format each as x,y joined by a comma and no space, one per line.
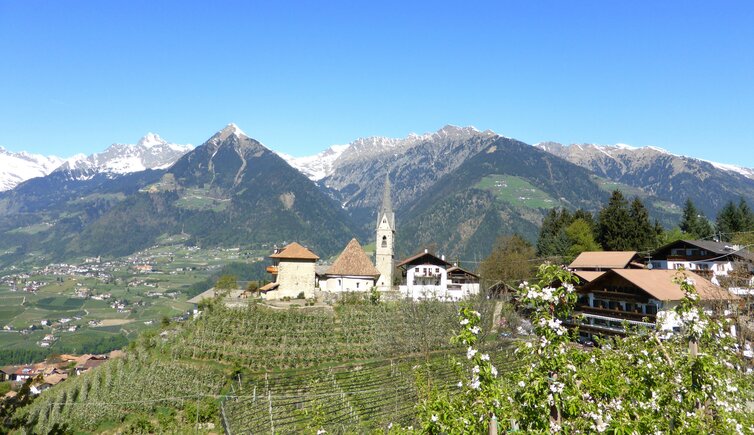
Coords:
387,204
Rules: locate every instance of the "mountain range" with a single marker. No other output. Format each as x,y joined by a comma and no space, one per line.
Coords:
150,152
454,190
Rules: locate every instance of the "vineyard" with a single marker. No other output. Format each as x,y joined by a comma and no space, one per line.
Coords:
263,339
139,383
354,366
354,398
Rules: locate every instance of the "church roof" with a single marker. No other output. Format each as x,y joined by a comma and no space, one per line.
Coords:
295,251
353,261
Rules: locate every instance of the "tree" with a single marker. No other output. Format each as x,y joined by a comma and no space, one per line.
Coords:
613,230
642,236
581,237
509,261
694,223
552,241
227,282
734,219
645,382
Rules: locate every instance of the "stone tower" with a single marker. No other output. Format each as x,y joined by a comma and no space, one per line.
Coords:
385,242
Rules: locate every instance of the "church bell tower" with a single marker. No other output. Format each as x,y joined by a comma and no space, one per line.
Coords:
385,242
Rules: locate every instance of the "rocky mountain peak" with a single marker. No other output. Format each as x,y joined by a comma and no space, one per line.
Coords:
150,140
18,167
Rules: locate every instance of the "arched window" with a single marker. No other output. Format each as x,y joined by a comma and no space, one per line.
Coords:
384,241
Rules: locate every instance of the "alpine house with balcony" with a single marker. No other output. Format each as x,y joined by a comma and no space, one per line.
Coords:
704,257
426,276
642,298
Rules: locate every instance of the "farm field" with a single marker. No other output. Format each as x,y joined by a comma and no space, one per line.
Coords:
88,304
516,191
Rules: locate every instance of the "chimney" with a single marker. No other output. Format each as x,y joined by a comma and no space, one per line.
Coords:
442,257
426,251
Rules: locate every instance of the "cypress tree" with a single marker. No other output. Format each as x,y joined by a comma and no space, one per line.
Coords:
614,224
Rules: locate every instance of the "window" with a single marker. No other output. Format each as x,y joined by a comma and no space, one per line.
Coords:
651,309
384,241
357,284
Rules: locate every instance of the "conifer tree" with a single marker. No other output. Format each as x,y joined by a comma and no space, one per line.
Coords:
614,230
553,240
642,236
730,220
747,216
694,223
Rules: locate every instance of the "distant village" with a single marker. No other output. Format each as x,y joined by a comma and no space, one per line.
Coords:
51,372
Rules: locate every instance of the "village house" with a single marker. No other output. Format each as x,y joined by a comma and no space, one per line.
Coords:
642,298
709,259
294,271
352,271
426,276
590,265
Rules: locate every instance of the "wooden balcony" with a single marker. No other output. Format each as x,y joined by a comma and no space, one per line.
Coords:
272,269
617,314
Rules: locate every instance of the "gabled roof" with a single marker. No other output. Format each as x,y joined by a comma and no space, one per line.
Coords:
587,275
716,248
353,262
424,258
659,283
457,270
297,252
603,260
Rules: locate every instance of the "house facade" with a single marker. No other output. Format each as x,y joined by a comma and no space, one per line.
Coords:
426,276
704,257
293,269
642,298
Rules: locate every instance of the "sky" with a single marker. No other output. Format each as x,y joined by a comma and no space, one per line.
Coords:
77,76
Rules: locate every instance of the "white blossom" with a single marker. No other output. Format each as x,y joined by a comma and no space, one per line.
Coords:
434,418
464,322
470,352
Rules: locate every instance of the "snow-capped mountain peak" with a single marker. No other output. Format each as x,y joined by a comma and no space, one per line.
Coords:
150,140
584,155
18,167
321,165
318,166
150,152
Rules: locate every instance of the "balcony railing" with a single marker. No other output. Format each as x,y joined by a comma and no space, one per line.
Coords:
617,313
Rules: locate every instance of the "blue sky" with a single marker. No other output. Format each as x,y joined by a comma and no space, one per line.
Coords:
77,76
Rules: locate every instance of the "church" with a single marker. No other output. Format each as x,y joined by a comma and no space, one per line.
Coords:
423,276
294,266
353,271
